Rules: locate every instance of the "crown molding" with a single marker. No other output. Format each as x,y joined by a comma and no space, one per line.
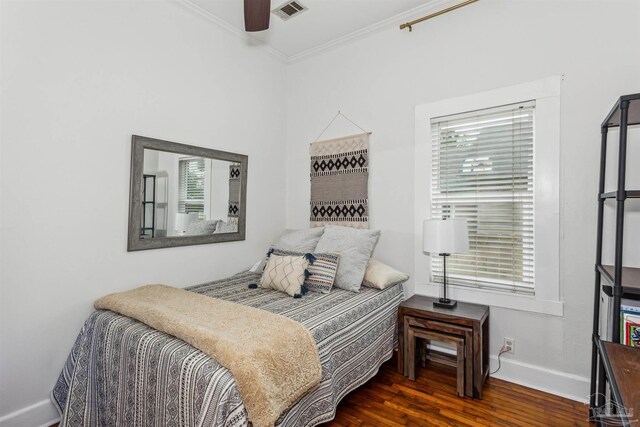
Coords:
396,20
430,7
189,5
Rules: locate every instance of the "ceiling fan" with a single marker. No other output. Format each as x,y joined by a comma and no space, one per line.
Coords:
256,15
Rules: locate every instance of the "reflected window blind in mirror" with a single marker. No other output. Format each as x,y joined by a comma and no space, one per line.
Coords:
482,170
191,187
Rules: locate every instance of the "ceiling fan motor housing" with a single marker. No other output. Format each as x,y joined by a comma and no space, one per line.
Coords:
256,15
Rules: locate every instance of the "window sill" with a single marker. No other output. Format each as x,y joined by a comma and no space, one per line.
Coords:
496,299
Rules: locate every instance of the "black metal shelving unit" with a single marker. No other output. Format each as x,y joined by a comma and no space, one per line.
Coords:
612,363
148,228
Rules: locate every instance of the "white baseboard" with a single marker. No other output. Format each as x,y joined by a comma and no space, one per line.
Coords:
41,414
562,384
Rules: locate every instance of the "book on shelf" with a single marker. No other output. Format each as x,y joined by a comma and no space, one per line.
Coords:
630,323
630,334
633,334
629,308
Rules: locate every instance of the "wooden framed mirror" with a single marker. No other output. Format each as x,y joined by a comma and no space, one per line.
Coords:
184,195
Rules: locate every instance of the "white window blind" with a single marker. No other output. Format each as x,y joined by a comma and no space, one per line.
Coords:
191,186
482,170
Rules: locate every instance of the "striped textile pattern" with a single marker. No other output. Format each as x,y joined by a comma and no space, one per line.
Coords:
122,372
322,271
235,172
339,172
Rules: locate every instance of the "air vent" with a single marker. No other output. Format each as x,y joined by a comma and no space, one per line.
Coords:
288,10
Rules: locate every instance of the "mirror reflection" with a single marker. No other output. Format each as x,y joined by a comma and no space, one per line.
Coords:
184,195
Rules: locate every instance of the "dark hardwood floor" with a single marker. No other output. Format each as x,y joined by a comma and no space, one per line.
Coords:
390,400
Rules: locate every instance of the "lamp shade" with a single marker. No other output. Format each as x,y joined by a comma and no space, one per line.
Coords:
445,236
183,220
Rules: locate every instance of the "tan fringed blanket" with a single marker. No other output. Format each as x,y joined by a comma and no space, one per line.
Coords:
274,360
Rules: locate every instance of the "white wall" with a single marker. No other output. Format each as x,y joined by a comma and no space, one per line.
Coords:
219,190
631,251
491,44
170,166
78,78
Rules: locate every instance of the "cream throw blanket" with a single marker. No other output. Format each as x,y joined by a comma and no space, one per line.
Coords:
273,359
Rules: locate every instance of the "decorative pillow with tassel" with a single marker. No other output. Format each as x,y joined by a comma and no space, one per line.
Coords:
321,270
286,274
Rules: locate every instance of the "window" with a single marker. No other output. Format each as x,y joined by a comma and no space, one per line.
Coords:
482,170
191,186
494,158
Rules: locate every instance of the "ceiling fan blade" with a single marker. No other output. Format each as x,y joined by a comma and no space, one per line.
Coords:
256,15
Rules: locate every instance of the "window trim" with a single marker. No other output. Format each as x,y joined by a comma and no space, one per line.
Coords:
546,93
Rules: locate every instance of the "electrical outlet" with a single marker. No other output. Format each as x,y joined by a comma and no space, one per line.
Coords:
510,345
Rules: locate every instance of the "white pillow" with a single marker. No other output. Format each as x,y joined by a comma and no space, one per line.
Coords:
321,270
379,275
300,240
354,247
285,274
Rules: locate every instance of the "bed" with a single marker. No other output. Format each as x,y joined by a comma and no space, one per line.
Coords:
123,372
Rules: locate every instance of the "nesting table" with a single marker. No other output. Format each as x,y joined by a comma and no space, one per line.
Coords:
465,327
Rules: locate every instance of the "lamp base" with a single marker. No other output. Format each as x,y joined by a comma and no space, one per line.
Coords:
445,303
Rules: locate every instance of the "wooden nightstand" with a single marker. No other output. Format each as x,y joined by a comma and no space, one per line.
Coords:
466,325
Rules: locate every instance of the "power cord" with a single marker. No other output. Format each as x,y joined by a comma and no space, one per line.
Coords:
503,350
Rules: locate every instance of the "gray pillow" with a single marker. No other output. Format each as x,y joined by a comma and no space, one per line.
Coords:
300,240
226,227
354,247
203,227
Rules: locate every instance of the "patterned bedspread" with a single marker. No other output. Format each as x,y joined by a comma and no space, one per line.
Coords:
122,372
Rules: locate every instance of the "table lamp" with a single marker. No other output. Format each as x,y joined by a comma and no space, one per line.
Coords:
445,237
